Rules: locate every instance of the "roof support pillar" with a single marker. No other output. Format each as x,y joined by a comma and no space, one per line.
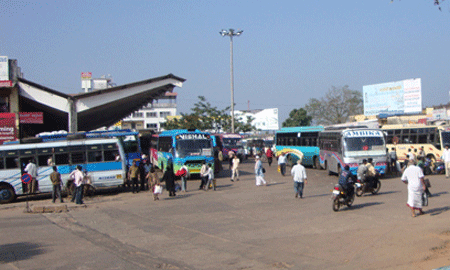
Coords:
73,116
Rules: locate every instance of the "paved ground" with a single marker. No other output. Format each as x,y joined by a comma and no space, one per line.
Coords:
239,226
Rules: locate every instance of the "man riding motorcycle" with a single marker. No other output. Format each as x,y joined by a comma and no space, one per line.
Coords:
371,175
362,171
346,179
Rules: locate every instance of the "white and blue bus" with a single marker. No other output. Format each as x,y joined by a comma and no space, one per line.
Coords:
340,146
129,139
297,142
185,147
103,158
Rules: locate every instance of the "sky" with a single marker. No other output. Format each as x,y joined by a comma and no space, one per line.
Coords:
289,52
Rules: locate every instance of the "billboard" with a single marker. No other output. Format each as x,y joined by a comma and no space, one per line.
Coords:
4,68
7,127
266,119
399,97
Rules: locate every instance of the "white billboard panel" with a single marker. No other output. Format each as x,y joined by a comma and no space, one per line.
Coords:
393,97
413,95
266,119
4,68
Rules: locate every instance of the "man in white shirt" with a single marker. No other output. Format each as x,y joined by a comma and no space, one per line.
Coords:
235,169
298,172
31,169
282,163
78,179
446,158
413,177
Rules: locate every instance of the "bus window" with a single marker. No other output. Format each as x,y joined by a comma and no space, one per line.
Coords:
45,160
2,163
422,138
12,162
78,157
61,159
95,156
110,155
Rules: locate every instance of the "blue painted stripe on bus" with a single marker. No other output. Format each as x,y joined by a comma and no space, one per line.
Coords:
91,167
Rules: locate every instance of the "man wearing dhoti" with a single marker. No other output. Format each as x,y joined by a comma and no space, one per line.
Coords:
413,177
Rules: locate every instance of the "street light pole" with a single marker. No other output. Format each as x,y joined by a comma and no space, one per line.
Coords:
231,33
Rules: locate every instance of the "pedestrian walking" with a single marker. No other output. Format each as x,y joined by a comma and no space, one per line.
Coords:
184,174
203,175
231,155
153,181
282,163
298,173
393,160
259,172
446,158
211,181
169,179
235,169
413,177
55,177
269,155
133,175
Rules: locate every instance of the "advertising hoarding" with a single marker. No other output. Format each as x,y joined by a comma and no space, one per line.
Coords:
266,119
7,127
4,68
393,97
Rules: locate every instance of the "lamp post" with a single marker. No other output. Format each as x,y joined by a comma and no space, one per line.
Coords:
231,33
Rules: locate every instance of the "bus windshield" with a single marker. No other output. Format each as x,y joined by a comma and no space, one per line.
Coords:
231,141
445,138
364,146
194,147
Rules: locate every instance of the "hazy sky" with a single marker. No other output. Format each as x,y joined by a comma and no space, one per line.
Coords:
290,51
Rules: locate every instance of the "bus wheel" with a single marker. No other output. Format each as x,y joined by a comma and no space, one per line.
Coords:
7,194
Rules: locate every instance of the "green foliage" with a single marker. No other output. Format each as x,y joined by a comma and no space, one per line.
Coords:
206,117
336,107
297,117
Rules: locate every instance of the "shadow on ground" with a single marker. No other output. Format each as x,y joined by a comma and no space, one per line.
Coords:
19,251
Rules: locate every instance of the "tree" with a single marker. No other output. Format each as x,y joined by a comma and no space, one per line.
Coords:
297,117
206,117
336,107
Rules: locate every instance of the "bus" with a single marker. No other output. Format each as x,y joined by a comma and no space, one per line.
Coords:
130,140
253,146
297,142
404,137
103,159
185,147
340,146
228,142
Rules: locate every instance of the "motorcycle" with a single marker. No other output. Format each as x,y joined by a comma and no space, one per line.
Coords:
341,197
363,187
440,168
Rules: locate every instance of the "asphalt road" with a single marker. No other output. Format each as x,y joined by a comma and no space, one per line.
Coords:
239,226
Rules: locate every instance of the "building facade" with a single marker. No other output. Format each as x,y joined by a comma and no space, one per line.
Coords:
153,116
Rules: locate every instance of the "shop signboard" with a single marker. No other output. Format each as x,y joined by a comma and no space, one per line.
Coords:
31,117
7,127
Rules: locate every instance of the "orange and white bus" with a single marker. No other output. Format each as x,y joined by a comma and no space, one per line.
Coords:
404,137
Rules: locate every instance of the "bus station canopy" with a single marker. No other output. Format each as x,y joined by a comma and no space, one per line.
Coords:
90,110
